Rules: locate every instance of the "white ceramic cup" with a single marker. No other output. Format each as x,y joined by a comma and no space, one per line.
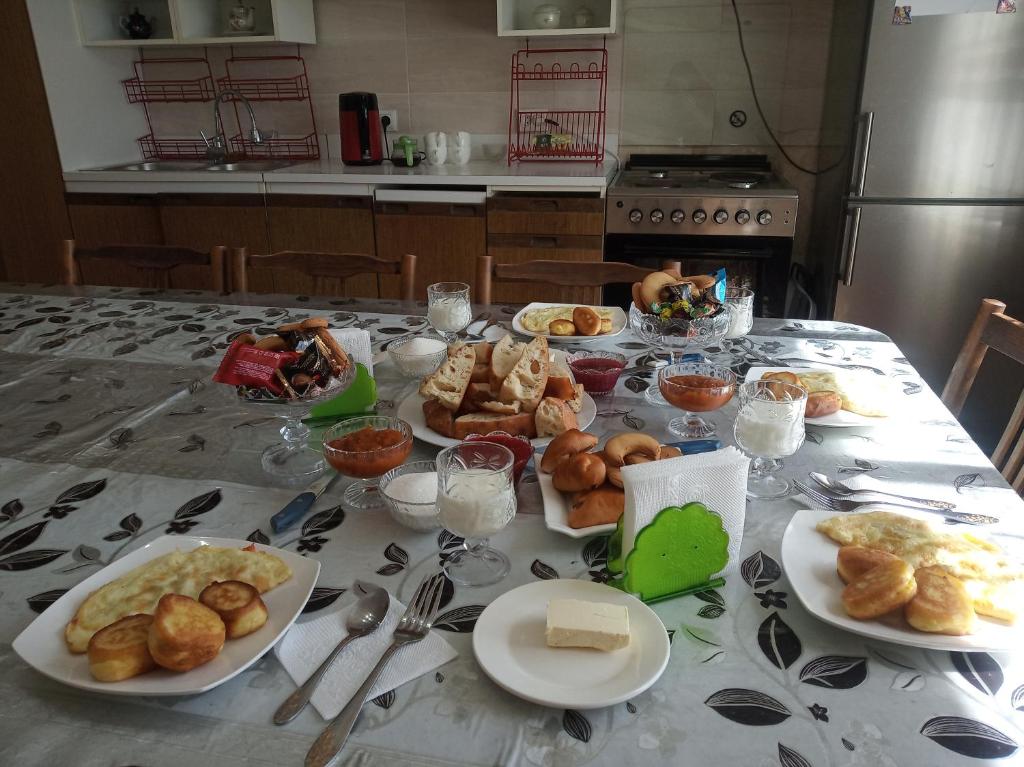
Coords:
437,147
459,147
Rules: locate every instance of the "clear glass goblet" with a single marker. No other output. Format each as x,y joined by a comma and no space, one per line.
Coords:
695,387
475,499
769,427
448,309
740,302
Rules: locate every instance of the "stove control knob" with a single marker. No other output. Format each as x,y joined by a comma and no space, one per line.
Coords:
678,216
636,216
721,216
657,216
699,216
742,216
764,217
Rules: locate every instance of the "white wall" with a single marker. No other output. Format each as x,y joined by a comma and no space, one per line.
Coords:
93,121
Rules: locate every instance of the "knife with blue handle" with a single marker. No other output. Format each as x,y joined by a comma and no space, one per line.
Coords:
301,504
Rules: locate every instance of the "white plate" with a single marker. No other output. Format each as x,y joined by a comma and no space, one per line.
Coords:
508,641
809,561
839,418
42,646
556,508
619,322
410,410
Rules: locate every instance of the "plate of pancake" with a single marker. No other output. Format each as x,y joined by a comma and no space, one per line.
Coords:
178,616
902,578
858,397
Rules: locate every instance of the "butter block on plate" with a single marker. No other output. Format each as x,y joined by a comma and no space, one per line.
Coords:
578,623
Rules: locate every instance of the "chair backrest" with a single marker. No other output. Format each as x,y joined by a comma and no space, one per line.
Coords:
153,263
569,274
992,330
799,304
323,267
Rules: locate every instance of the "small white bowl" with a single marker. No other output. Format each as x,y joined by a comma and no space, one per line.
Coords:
417,365
421,517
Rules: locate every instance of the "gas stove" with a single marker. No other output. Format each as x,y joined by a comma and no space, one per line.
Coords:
709,195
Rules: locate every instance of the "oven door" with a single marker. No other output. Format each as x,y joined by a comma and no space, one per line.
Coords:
758,263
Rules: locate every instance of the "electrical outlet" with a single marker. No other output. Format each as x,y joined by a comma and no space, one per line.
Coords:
391,114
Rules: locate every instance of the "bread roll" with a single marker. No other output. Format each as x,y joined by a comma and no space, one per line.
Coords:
575,402
561,328
521,424
553,417
565,445
586,320
184,634
880,590
121,650
559,383
577,473
941,604
602,506
853,561
238,604
439,418
821,403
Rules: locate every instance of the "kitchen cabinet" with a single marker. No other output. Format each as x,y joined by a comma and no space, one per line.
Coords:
194,22
445,237
120,219
551,227
323,224
516,18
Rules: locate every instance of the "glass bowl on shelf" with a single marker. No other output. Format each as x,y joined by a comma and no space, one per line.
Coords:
365,448
407,504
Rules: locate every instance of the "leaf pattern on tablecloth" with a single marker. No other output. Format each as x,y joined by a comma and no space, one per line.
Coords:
460,620
543,571
778,642
760,570
838,672
321,597
969,737
40,602
967,480
788,757
748,707
576,725
980,669
384,700
11,510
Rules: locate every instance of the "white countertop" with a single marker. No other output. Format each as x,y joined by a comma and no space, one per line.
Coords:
332,177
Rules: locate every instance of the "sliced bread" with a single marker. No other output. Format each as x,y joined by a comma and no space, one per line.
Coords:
559,382
521,424
575,402
527,380
438,418
553,417
504,356
449,382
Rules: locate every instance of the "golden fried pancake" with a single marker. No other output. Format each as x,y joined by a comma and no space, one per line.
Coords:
941,604
120,650
178,572
238,605
853,561
880,590
184,634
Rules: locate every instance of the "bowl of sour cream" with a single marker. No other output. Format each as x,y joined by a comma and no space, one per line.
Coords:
418,356
410,492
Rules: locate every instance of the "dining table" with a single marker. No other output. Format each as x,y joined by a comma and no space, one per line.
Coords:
112,434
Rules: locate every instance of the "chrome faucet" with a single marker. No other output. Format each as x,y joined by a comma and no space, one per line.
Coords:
217,147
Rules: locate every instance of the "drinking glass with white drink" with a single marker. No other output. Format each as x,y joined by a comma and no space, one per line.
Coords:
448,309
475,499
769,427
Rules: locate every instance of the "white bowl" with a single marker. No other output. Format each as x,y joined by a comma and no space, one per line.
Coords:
417,365
421,517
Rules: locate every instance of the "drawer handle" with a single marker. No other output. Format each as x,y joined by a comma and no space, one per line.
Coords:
462,210
544,204
394,207
543,242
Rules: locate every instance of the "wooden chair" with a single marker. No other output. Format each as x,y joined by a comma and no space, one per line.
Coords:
322,267
992,329
153,263
568,274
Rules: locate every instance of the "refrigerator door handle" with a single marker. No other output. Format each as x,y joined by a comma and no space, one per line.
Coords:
862,144
850,232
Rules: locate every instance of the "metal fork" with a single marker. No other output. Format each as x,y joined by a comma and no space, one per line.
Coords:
413,626
832,503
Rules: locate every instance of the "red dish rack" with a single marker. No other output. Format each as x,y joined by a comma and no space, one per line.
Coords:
538,131
249,76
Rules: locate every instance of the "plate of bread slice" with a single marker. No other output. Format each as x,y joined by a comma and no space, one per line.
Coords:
520,388
838,397
903,578
178,616
569,322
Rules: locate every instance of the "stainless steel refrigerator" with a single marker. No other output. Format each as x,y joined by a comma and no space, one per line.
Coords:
924,215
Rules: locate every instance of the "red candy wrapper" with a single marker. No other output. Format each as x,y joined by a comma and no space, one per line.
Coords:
245,365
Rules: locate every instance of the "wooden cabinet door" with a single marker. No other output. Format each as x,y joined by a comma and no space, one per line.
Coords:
550,214
517,248
201,221
321,224
446,238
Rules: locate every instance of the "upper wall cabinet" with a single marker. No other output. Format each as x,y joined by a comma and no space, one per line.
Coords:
536,18
194,22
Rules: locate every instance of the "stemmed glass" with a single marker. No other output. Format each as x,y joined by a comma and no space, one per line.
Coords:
448,309
352,448
769,426
695,387
740,302
475,499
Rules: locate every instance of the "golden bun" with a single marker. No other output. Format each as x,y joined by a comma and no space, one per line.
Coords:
586,320
121,650
562,328
941,604
638,301
880,590
601,506
238,604
853,561
184,634
621,445
821,403
566,444
651,287
580,472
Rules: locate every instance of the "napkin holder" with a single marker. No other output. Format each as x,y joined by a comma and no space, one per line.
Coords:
358,399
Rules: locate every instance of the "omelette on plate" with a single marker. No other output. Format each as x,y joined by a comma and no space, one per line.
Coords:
863,393
179,572
537,320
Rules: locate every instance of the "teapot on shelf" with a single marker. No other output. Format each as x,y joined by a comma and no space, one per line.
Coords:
242,18
136,26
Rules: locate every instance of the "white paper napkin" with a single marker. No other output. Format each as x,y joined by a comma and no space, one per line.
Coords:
306,645
357,343
717,479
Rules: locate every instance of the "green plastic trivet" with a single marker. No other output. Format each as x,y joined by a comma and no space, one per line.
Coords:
357,399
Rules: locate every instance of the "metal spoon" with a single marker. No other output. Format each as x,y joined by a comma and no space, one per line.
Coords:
841,488
364,618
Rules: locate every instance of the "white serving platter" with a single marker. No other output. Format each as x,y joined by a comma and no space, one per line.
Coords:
809,561
619,322
509,644
556,508
42,646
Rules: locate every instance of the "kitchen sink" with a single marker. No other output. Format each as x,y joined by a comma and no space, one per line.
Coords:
158,165
250,165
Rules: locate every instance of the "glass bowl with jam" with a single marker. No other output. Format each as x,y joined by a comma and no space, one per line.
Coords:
695,387
365,448
597,371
